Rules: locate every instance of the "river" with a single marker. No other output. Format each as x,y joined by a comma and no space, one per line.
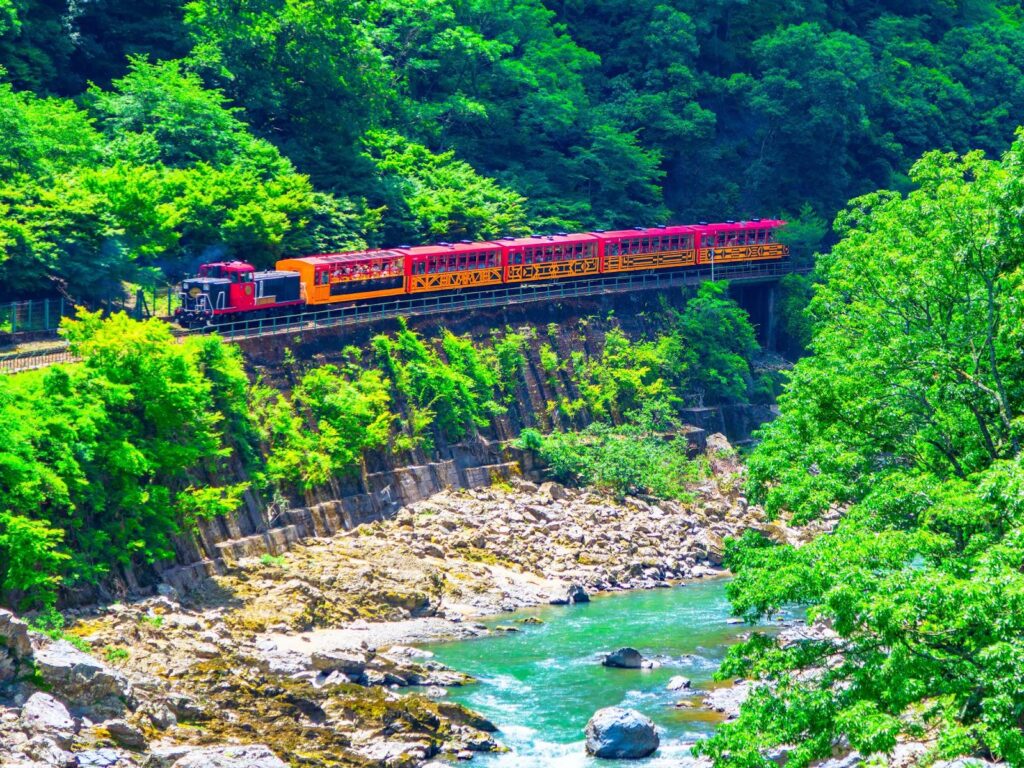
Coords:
540,685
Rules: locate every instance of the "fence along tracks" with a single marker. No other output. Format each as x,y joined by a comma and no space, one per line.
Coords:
439,304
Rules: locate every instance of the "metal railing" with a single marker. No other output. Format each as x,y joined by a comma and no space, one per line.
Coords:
445,303
500,296
34,316
30,361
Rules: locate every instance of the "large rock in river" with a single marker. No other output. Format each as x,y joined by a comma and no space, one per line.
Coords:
622,734
624,658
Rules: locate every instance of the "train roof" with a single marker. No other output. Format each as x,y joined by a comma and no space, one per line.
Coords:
460,247
675,229
561,237
747,224
332,259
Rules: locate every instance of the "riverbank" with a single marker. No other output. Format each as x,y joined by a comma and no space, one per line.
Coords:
307,653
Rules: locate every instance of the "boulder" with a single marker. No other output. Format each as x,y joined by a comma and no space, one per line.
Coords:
347,662
727,700
710,546
249,756
537,513
678,683
81,679
105,757
620,733
553,491
432,550
43,715
576,594
15,646
624,658
125,734
14,635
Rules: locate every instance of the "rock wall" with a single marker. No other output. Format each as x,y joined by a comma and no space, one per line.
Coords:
392,481
223,541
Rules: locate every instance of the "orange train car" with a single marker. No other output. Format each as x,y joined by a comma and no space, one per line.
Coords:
340,277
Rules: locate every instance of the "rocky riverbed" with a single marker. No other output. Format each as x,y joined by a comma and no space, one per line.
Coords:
305,658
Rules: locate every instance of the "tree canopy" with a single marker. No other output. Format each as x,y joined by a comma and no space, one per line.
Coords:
179,132
908,416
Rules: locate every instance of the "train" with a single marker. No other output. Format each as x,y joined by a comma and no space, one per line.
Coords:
229,291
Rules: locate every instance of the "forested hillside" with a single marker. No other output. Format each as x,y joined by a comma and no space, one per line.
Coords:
147,137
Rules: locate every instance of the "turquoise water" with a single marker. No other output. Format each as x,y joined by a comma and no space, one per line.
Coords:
542,684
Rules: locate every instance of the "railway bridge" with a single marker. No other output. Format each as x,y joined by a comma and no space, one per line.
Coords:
766,273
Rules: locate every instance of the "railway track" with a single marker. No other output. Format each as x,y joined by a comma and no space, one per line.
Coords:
446,303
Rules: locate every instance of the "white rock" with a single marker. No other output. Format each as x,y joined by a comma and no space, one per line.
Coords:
44,715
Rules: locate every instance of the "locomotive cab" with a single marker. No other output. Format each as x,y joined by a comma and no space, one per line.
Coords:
224,288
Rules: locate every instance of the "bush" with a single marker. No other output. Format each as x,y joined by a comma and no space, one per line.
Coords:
625,460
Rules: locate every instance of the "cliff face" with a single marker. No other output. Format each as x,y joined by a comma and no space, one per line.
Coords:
390,481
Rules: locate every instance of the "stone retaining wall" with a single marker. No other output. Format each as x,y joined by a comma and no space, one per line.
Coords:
224,541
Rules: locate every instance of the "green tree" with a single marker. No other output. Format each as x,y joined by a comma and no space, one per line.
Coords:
306,73
433,197
908,415
718,341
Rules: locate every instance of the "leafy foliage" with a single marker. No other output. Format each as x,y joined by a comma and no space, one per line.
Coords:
624,460
336,124
909,415
98,458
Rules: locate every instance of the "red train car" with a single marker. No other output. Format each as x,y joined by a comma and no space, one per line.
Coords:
732,241
550,257
648,248
450,266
